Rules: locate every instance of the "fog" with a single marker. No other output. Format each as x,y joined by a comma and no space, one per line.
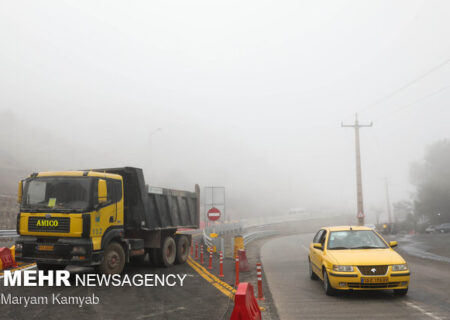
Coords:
246,95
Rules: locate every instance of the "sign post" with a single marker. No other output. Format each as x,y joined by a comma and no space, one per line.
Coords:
214,197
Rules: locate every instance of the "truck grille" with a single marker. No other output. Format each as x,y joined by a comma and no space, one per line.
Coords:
373,270
43,224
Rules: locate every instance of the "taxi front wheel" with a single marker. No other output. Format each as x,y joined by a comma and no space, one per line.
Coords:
329,290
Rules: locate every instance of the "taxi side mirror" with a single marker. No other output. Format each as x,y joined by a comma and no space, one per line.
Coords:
393,244
102,191
318,246
20,192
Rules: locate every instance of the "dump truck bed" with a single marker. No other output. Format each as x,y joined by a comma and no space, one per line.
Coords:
156,208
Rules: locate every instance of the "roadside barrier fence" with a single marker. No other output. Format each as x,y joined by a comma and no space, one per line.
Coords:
8,234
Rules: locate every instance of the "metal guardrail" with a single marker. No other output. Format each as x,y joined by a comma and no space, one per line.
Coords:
249,237
224,228
7,196
220,229
255,223
265,221
207,239
233,228
8,234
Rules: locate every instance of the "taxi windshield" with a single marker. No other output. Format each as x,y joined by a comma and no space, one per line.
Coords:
355,239
63,194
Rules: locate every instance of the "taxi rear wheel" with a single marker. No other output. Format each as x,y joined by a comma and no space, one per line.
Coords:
312,275
401,292
329,290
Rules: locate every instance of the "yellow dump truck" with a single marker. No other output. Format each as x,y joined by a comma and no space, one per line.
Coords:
102,218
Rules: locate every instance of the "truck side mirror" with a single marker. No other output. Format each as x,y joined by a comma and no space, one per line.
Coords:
102,191
20,192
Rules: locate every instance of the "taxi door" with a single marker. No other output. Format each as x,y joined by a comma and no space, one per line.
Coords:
321,252
316,254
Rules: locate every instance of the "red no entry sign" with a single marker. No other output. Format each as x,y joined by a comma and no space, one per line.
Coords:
214,214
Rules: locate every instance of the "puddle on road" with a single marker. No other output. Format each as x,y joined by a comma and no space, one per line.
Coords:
419,249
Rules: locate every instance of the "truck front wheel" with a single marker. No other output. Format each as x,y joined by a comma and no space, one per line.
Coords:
182,249
113,259
168,251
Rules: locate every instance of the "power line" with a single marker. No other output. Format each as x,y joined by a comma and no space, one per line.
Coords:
406,106
406,85
410,83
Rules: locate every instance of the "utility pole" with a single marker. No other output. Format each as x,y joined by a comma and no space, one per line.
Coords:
359,191
388,203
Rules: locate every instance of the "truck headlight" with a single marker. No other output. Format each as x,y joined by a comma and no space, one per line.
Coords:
18,247
399,267
343,268
78,250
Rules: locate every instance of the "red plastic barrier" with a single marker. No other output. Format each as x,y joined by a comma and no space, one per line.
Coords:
243,262
7,258
245,305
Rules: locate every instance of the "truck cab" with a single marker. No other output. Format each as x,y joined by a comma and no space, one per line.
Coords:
102,218
64,216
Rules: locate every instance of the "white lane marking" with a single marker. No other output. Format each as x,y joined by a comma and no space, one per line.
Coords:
156,314
423,311
305,248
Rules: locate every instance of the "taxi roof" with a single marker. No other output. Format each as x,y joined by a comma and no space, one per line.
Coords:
344,228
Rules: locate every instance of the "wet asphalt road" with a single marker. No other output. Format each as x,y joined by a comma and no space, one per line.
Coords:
285,263
195,300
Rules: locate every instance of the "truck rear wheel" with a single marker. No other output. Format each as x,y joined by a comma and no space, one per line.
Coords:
182,249
168,251
113,259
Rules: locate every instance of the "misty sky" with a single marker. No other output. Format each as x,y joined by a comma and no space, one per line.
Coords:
248,94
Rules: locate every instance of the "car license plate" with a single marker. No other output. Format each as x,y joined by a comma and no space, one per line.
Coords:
45,248
375,280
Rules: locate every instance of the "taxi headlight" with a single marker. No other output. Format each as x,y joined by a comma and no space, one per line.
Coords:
399,267
343,268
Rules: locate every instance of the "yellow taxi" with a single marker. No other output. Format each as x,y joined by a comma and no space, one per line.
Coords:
356,258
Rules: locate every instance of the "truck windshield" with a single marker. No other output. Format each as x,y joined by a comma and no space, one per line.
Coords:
64,194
